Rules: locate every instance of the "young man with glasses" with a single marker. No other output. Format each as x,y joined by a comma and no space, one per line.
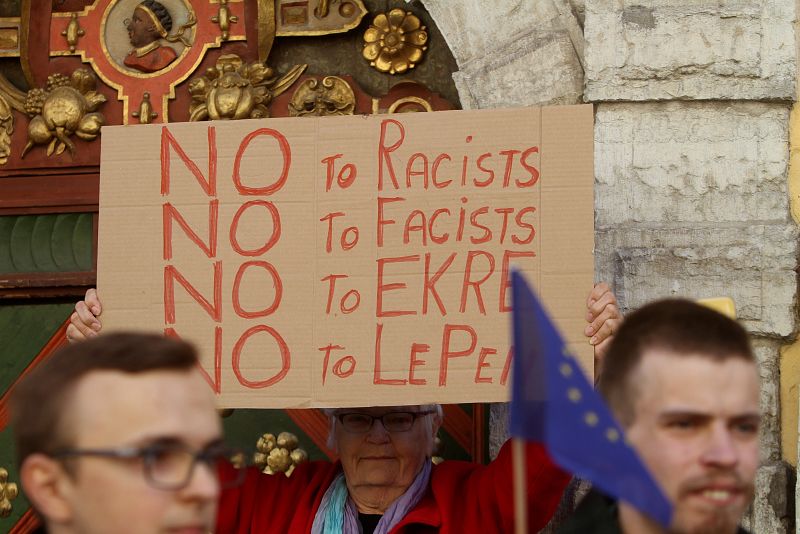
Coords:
119,434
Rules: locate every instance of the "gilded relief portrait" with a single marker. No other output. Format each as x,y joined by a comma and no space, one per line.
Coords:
147,36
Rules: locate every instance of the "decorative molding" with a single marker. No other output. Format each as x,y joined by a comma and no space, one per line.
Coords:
73,32
145,114
224,19
317,17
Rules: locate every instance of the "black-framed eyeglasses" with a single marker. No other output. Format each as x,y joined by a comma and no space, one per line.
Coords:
361,423
170,466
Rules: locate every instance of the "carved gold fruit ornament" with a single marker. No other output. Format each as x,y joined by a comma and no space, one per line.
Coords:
395,41
279,455
8,492
332,96
235,90
65,106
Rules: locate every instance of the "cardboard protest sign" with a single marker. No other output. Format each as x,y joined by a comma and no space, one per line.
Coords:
348,261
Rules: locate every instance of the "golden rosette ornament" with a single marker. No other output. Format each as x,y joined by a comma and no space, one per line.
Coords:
395,41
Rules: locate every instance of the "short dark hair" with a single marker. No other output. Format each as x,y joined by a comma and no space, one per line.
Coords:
159,11
39,400
679,326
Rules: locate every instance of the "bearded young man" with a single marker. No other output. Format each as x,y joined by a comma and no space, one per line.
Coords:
682,381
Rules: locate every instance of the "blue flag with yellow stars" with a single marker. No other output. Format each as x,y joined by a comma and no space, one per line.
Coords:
553,403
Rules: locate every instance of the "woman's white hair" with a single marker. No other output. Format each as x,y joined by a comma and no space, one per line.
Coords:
333,421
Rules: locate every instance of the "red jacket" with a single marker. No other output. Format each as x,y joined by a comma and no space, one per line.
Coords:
463,498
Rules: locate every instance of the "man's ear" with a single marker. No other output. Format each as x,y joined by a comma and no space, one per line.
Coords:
46,485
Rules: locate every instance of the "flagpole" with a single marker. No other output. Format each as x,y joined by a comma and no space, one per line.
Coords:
520,486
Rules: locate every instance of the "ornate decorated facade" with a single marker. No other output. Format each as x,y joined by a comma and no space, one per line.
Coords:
69,67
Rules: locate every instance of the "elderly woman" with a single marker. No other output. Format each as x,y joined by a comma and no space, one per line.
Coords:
384,481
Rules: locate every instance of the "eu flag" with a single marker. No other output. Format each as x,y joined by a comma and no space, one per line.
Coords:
553,403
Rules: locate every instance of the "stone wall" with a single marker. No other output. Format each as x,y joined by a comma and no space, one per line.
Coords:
693,102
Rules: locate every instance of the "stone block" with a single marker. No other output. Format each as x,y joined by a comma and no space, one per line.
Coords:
691,162
474,30
690,49
540,68
751,263
513,53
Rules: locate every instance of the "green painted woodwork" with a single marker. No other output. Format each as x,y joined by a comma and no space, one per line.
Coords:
24,330
83,241
46,243
41,250
21,249
62,233
6,225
